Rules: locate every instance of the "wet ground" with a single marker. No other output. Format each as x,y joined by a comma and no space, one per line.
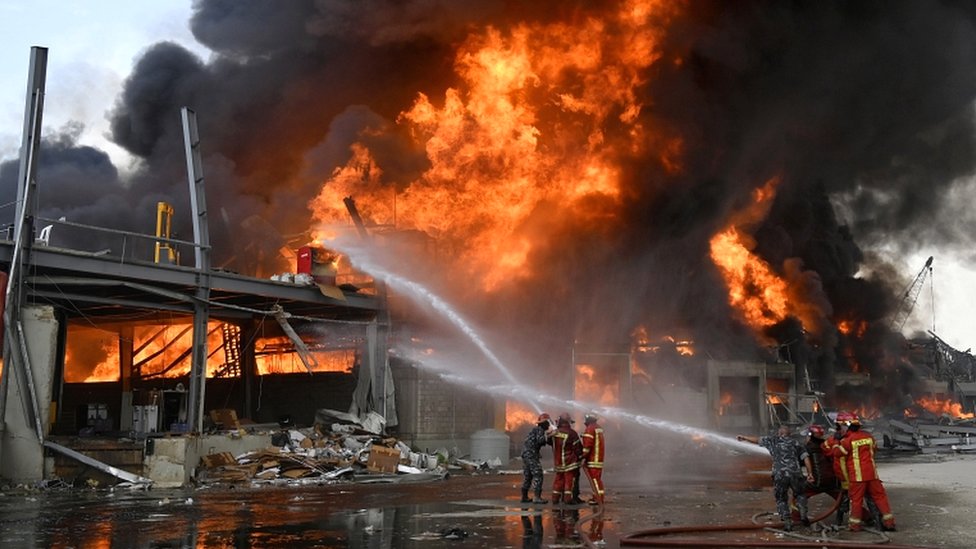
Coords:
463,510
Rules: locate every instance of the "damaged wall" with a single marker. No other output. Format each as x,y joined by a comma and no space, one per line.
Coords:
21,454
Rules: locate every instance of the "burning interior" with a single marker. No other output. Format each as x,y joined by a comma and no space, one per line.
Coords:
628,174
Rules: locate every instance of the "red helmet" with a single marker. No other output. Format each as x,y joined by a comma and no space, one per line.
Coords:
543,417
816,431
844,418
854,419
590,417
565,418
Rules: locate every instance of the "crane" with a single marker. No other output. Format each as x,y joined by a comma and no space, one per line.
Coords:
910,296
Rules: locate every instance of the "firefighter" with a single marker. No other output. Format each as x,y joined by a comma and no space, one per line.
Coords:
857,447
787,454
567,449
824,477
539,436
830,447
593,450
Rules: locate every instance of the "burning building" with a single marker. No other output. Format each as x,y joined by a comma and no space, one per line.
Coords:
713,173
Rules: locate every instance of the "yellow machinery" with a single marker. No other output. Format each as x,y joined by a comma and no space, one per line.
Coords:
164,252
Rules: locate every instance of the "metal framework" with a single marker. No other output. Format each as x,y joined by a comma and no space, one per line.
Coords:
15,354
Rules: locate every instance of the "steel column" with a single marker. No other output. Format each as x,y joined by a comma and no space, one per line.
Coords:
15,356
201,238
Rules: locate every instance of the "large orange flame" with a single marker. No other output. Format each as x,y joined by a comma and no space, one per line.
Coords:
947,406
162,351
592,387
520,140
518,415
758,294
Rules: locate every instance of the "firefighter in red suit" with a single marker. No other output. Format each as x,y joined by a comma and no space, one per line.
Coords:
857,447
566,451
831,448
593,451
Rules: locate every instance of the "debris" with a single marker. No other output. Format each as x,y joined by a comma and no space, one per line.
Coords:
454,533
126,476
383,459
321,454
225,418
929,437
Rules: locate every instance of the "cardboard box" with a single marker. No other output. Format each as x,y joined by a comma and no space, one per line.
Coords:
383,459
211,461
226,418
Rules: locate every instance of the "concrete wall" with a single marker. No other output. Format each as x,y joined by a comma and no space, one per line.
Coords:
435,414
172,462
21,454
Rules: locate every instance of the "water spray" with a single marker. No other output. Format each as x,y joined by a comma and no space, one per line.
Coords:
525,393
363,260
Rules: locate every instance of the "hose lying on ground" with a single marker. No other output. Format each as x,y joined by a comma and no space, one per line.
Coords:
639,538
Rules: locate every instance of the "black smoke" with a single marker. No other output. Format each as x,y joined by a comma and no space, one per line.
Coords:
864,109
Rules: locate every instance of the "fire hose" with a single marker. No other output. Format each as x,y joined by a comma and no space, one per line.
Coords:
639,538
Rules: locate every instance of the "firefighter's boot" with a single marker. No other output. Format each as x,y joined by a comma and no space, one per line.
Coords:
556,499
538,498
525,496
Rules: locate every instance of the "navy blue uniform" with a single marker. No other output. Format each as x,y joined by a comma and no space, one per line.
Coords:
531,462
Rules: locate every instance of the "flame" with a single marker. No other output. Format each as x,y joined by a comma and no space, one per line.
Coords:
760,296
724,402
853,328
591,389
865,411
642,343
518,415
940,406
776,390
525,134
93,355
277,356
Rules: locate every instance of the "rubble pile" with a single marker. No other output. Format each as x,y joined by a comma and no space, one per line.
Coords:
326,452
931,435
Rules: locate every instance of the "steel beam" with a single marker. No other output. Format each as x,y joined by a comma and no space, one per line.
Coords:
201,238
15,355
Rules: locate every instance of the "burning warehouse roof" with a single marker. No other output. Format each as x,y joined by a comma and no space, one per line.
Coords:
585,169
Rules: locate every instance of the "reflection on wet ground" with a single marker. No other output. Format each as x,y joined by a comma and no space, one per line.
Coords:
481,510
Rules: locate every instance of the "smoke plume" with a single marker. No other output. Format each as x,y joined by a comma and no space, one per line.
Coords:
863,110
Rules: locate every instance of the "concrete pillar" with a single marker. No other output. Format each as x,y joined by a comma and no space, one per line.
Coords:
21,454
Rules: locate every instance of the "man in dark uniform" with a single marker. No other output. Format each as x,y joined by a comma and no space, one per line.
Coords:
539,436
787,454
824,479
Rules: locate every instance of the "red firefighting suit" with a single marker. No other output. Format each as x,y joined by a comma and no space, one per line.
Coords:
566,452
831,448
593,451
858,449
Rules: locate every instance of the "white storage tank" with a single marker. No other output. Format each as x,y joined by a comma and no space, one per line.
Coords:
488,445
